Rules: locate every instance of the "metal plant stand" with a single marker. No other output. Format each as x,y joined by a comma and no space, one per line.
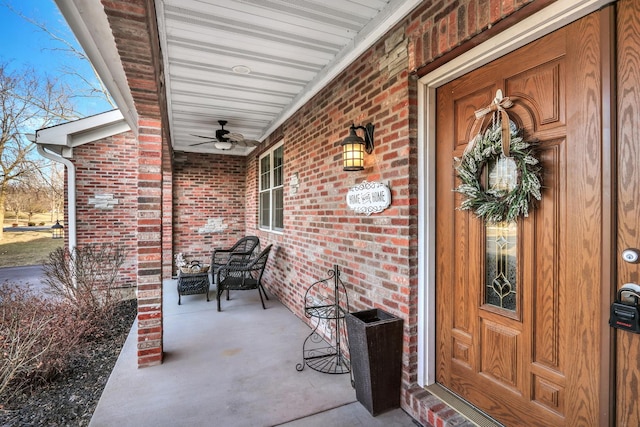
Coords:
324,349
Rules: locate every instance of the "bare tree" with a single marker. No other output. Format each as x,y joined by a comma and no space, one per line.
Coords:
52,178
37,201
38,191
27,101
66,45
14,200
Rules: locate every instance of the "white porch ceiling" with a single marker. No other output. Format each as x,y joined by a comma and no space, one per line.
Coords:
292,49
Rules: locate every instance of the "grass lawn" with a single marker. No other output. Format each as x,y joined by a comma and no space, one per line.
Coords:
27,247
37,219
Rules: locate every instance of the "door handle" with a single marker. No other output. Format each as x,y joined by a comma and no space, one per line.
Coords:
629,292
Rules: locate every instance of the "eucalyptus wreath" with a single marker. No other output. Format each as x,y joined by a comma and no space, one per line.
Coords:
498,205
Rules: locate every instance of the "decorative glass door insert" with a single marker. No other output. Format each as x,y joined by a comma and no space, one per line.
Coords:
501,242
501,265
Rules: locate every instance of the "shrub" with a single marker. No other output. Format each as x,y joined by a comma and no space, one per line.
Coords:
40,335
31,224
37,337
85,277
41,224
23,338
15,224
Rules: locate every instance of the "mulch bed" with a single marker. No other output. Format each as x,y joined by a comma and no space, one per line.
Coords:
71,399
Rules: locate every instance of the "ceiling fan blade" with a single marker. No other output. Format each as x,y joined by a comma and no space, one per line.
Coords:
226,139
250,142
239,138
213,138
234,136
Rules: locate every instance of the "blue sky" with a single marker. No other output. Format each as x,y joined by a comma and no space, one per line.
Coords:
25,45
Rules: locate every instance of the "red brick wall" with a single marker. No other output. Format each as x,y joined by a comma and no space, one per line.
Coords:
208,203
437,27
320,230
109,167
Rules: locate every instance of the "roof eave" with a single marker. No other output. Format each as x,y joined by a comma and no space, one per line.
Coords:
89,23
83,131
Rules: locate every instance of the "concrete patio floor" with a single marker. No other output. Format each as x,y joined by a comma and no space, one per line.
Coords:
231,368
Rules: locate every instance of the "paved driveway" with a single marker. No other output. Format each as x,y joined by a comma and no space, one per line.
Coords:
26,228
30,274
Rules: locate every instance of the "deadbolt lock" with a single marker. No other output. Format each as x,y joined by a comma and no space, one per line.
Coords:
631,256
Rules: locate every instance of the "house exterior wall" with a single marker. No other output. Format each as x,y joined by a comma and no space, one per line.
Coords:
320,231
106,197
208,204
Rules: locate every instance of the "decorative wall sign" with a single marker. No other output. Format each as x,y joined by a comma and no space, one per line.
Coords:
103,201
213,225
369,197
294,183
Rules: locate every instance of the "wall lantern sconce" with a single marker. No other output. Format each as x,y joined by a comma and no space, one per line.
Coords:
354,147
57,230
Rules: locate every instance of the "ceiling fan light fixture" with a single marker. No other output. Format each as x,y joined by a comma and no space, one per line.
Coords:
223,145
241,69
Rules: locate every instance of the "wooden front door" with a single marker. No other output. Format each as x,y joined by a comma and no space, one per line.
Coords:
628,201
529,352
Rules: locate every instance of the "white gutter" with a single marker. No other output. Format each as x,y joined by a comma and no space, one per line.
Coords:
71,196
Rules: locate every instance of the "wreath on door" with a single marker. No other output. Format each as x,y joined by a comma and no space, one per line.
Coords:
500,142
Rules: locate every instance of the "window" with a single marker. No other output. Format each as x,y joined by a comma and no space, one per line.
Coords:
272,189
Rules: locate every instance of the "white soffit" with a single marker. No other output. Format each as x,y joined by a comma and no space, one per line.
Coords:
291,50
288,50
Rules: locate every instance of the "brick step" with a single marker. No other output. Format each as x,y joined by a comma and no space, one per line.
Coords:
436,412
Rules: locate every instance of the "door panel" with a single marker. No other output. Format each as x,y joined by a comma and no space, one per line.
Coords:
628,344
535,361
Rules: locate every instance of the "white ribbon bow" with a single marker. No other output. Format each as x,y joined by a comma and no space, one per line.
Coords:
499,105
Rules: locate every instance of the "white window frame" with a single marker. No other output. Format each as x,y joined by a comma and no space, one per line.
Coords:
271,190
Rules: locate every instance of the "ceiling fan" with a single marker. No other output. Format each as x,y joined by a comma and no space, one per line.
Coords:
224,139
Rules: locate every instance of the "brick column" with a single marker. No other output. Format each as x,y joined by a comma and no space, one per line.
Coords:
149,242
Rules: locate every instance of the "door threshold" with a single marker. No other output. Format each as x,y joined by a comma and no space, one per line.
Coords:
462,407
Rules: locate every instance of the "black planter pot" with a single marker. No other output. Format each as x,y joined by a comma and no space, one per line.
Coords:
375,346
